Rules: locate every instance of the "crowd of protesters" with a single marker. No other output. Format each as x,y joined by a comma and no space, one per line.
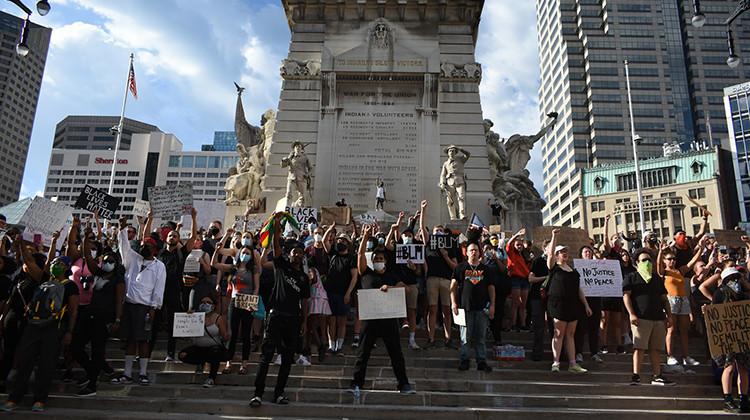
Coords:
128,281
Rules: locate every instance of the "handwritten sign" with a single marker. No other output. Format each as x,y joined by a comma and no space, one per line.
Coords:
246,301
43,218
171,201
256,205
340,215
93,199
376,304
141,208
572,237
443,242
728,327
253,222
600,277
729,237
192,262
303,215
188,325
409,252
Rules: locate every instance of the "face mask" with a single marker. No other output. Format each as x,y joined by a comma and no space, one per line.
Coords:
205,307
488,255
381,241
108,267
146,253
644,269
369,245
114,248
56,271
494,242
378,266
245,258
213,231
318,238
439,233
341,247
93,254
407,239
681,241
247,242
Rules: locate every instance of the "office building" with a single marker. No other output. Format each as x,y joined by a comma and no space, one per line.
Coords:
89,132
677,75
20,81
224,141
738,119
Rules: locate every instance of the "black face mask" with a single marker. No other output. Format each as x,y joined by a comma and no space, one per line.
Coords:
146,252
213,231
341,247
238,245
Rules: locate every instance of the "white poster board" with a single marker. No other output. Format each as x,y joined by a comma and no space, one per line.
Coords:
460,319
192,263
254,222
376,304
188,325
141,208
208,211
409,252
169,202
45,217
303,215
600,278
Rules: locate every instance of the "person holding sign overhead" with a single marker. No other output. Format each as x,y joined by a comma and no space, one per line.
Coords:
387,329
565,300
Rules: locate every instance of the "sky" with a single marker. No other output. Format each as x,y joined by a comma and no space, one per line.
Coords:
188,53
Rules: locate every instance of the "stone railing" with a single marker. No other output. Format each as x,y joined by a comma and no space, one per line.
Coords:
650,204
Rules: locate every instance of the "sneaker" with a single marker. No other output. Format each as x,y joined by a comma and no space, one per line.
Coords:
524,328
9,406
302,361
413,345
671,361
330,352
604,350
596,358
281,400
555,367
660,380
407,389
38,407
577,369
340,353
621,350
353,389
483,366
122,380
635,379
86,392
67,377
209,383
143,380
83,382
689,361
449,344
463,365
731,407
355,343
579,357
169,358
255,402
430,344
278,360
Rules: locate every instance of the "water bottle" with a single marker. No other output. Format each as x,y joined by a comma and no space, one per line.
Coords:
148,326
487,311
356,396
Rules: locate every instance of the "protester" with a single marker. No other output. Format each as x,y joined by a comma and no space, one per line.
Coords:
518,271
589,324
410,273
498,274
197,281
319,310
538,273
340,284
208,347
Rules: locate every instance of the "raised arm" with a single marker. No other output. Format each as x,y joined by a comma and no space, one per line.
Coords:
660,259
99,230
277,234
193,230
551,249
422,228
123,245
696,256
71,250
361,257
327,237
607,242
34,270
52,250
215,259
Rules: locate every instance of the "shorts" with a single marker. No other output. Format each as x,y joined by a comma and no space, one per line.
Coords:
133,325
612,304
411,297
336,302
438,287
519,283
680,305
379,201
649,334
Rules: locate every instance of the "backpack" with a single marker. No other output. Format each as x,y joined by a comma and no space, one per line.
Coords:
47,305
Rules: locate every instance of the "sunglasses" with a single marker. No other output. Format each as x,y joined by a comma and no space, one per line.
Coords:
670,259
646,260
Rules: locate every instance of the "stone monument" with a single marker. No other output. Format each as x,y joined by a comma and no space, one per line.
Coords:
381,88
298,180
453,181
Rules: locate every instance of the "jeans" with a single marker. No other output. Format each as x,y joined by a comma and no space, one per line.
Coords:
283,333
40,344
589,325
537,322
90,326
244,318
195,355
388,330
476,328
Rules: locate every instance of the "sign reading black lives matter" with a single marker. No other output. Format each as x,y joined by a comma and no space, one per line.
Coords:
303,215
93,199
171,201
728,327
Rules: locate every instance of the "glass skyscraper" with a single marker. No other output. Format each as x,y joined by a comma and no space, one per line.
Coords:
224,141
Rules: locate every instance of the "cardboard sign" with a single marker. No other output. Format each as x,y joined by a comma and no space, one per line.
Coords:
189,325
729,237
93,199
409,252
443,242
496,229
192,262
171,201
246,302
45,217
572,237
141,208
257,205
728,327
600,278
303,215
340,215
376,304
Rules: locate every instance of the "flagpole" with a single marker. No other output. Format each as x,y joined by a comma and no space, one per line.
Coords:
119,128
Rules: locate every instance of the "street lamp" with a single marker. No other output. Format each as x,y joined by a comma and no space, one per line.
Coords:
42,6
733,60
636,142
699,19
22,48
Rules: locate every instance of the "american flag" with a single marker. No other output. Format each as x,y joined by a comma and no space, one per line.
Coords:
476,223
131,82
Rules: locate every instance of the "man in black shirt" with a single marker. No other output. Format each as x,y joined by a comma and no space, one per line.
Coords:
537,275
387,329
342,278
286,323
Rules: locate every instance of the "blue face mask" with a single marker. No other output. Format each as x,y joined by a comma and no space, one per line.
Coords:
381,241
245,258
205,307
108,267
247,242
370,245
407,239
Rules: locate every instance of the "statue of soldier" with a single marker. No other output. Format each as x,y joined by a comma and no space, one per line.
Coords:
298,179
453,181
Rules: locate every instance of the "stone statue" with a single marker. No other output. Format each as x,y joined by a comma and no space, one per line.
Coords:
453,181
247,134
300,169
519,147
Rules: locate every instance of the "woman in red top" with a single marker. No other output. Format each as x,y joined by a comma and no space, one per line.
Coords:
518,271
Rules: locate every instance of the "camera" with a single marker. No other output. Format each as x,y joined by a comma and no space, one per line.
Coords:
86,282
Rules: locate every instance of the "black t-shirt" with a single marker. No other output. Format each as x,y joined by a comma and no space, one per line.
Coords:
496,208
71,289
473,284
317,259
4,287
174,262
104,292
646,297
563,285
539,269
289,288
373,280
436,264
339,272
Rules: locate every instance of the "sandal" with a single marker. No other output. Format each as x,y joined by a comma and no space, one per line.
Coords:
226,370
242,371
281,400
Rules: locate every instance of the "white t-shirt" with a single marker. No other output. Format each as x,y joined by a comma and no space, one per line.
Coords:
381,192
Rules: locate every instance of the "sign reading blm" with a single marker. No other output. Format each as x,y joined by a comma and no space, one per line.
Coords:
171,201
95,200
601,278
409,252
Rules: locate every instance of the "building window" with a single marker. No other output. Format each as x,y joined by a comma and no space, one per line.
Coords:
187,161
213,162
133,173
174,161
173,174
695,211
227,162
597,222
599,183
200,161
697,193
696,168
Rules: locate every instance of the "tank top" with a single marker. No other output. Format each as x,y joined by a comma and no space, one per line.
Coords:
674,282
210,336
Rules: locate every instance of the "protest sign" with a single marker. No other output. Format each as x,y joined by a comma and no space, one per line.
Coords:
602,278
171,201
44,217
246,301
375,216
95,200
188,325
409,252
340,215
572,237
207,212
443,242
192,263
496,229
376,304
728,327
303,215
256,205
141,208
729,237
460,318
253,223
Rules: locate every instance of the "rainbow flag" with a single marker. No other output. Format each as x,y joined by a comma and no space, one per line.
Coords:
266,232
